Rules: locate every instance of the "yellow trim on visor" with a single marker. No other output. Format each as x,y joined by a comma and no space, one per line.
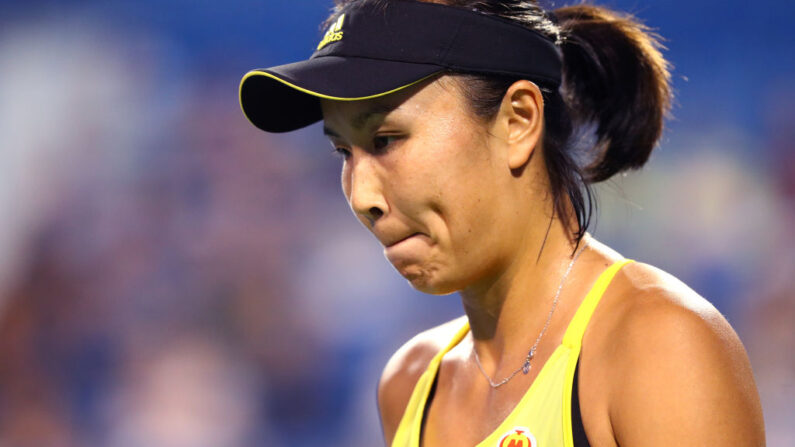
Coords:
253,73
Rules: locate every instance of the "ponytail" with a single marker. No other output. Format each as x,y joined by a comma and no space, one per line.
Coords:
616,80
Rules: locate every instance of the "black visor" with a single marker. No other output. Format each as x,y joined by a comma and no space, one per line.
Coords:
374,50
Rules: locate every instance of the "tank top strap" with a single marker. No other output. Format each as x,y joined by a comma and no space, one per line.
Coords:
437,359
462,332
573,336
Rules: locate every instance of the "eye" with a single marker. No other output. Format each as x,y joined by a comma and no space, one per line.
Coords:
341,152
382,142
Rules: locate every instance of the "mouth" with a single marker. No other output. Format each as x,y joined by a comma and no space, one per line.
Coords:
401,240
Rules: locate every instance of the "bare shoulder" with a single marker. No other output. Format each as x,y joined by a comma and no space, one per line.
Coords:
405,367
648,295
679,373
657,307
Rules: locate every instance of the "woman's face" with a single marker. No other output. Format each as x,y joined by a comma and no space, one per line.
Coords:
428,179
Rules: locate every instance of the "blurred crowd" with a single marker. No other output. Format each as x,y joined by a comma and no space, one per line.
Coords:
170,276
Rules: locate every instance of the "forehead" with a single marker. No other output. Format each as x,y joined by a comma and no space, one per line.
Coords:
436,96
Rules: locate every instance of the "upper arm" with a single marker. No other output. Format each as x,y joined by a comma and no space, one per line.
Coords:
681,376
404,369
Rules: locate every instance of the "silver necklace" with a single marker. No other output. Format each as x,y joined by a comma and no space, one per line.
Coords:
525,368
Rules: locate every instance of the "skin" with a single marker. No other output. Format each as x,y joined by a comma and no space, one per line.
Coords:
463,205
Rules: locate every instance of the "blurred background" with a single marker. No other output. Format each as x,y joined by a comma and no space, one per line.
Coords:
171,276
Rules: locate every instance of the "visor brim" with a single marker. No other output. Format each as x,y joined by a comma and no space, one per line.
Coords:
287,97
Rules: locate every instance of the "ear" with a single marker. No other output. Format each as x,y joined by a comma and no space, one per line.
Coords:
522,115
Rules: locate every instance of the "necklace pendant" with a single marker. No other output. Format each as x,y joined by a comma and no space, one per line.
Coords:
526,368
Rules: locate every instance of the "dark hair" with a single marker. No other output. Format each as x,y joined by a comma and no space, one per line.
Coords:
608,114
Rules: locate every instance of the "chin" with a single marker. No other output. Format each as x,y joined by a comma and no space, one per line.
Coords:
427,281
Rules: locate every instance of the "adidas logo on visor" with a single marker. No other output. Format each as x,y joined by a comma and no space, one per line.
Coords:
333,34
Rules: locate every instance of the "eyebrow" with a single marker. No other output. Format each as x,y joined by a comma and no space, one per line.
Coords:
360,120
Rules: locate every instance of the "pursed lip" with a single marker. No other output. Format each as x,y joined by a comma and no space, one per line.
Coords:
397,241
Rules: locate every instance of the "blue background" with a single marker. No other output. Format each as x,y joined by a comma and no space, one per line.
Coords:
170,276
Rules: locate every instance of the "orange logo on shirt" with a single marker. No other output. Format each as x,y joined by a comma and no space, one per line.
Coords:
518,437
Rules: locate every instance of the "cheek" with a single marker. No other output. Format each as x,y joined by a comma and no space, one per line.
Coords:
345,181
466,183
471,203
461,192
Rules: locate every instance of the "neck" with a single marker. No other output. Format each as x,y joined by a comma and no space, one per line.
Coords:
508,310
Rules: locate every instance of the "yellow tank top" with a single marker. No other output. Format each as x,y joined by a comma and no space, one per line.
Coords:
542,418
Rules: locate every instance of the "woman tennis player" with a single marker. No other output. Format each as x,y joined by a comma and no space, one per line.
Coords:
471,132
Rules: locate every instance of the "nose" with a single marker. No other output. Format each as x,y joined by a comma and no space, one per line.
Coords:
365,191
